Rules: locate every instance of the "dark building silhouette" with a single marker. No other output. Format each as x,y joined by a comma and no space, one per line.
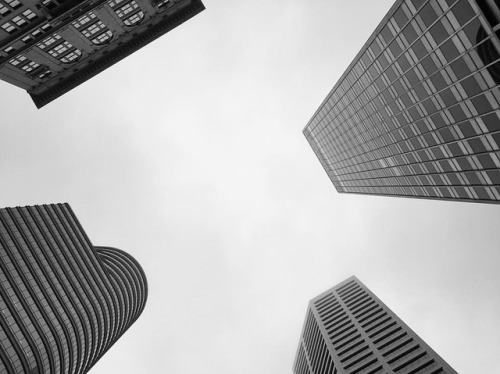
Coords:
348,330
63,302
49,47
416,114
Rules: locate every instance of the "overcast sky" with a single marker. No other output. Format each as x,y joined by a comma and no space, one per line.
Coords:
190,156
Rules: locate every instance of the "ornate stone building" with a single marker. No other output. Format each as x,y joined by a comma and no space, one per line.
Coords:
48,47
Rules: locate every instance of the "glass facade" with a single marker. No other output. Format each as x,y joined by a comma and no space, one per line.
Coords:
416,114
63,302
348,330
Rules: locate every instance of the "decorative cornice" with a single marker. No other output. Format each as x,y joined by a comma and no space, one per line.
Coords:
121,52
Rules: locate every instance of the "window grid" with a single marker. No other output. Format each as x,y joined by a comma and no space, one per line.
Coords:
93,29
364,336
65,302
60,49
377,131
128,11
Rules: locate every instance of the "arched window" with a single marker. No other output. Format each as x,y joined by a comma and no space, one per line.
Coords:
59,48
103,37
134,19
128,11
72,56
93,29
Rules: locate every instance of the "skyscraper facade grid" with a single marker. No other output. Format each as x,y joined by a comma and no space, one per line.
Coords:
416,114
348,330
63,302
49,47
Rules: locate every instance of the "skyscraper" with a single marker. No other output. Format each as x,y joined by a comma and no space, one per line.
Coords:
63,302
416,114
49,47
348,330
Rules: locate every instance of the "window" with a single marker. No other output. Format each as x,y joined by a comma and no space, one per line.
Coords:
19,21
162,3
439,33
134,19
49,41
9,27
463,12
19,60
410,33
32,68
60,49
71,56
3,10
103,38
129,12
400,17
13,3
114,3
82,21
93,29
49,4
28,13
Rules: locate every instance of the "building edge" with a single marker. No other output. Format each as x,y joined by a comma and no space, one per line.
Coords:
123,51
373,35
142,274
353,278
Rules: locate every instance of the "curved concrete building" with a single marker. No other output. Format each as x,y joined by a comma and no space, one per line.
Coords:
64,302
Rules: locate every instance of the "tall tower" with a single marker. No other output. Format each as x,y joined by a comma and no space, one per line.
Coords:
63,302
348,330
49,47
416,114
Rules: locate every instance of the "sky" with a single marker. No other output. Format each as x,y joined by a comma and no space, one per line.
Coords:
190,156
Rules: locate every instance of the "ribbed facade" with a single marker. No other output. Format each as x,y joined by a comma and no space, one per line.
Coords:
417,113
63,301
48,47
348,330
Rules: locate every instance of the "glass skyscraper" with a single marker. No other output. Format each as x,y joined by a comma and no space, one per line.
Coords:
416,114
49,47
348,330
63,302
